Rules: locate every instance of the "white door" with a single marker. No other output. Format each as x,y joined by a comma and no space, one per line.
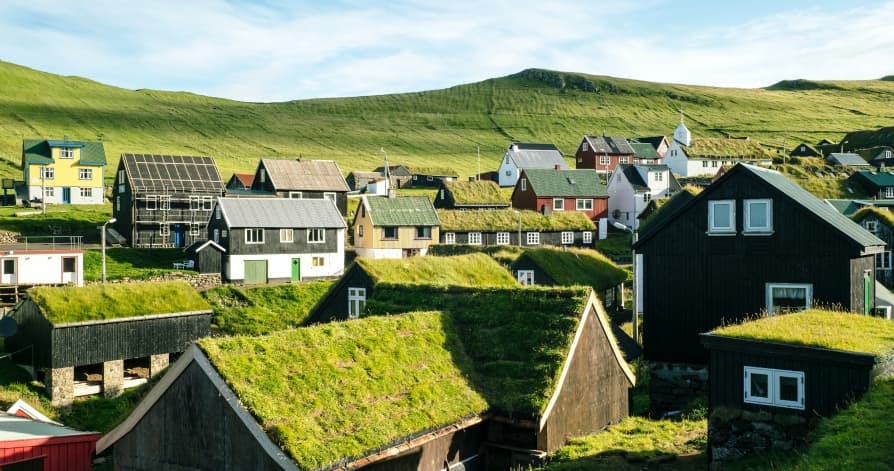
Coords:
526,277
356,302
8,271
69,270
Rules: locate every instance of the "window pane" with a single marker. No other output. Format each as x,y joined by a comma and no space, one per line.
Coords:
789,299
759,383
721,215
757,214
788,388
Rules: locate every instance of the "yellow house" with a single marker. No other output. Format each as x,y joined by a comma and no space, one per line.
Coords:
395,227
63,172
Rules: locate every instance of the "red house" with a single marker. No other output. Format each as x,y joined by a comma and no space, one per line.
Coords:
549,190
33,445
602,153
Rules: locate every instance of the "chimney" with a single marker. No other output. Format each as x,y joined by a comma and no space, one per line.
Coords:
515,146
558,167
391,192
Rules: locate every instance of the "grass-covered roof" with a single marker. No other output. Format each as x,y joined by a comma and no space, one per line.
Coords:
718,147
112,301
668,207
578,267
463,270
879,213
507,220
433,171
401,211
480,192
818,328
335,392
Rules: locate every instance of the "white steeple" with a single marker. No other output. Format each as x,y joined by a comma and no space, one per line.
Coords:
681,134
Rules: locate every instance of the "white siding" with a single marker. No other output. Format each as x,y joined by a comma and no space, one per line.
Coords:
45,267
507,165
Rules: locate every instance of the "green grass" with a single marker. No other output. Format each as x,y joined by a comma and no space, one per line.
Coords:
831,185
579,267
336,390
79,220
476,270
111,301
878,213
508,220
616,246
433,128
476,192
816,328
136,264
721,147
263,310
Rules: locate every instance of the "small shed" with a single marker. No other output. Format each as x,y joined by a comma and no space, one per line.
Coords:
207,256
846,159
27,445
475,194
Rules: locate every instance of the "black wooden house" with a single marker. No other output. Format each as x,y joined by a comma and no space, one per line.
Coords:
302,179
164,200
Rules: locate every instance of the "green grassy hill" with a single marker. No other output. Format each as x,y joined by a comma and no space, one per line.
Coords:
440,127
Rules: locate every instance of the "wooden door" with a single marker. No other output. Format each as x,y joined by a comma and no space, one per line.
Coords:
255,271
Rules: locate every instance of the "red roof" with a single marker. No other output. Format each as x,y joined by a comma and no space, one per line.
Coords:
245,178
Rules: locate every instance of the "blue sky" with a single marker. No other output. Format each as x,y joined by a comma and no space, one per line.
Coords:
276,50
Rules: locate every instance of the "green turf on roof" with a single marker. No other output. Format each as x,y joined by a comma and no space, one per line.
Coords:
462,270
402,211
880,213
817,328
477,192
644,151
668,207
112,301
434,171
337,391
507,220
718,147
578,267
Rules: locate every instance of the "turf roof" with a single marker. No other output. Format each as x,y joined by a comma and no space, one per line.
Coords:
818,328
669,207
879,213
578,267
462,270
433,171
68,304
481,192
401,211
718,147
507,220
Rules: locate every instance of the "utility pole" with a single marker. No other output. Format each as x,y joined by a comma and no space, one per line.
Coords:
478,176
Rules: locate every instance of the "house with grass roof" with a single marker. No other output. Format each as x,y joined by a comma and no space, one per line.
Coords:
805,149
522,228
104,338
571,267
632,187
554,190
491,379
394,226
645,154
471,195
302,179
63,171
689,157
751,242
877,183
880,222
773,378
346,299
523,155
603,153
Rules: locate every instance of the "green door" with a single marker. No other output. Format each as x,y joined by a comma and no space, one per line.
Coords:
296,269
867,294
255,271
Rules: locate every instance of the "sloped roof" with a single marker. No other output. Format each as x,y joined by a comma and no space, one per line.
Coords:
305,175
529,155
848,159
433,171
808,149
13,427
609,144
471,270
570,183
479,192
280,213
644,150
634,177
654,141
884,215
508,220
718,147
245,179
571,267
666,209
401,211
38,152
846,207
370,175
876,178
172,173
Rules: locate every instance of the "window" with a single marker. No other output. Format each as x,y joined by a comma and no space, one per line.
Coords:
450,237
66,153
85,174
475,238
389,232
207,203
195,203
47,173
164,230
584,204
585,147
49,192
216,235
415,177
646,197
525,277
722,216
558,204
316,235
295,195
532,238
658,176
117,203
429,178
87,193
704,163
567,237
502,238
193,229
287,235
164,202
254,235
889,192
263,174
217,213
318,261
781,388
360,231
356,302
224,233
508,173
759,215
604,160
624,160
788,297
423,232
871,226
803,148
524,184
714,163
587,237
883,260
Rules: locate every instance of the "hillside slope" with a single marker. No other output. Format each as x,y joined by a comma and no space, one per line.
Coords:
440,127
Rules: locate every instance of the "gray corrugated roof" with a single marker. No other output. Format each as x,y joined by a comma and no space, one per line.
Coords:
847,158
609,144
280,212
306,175
530,155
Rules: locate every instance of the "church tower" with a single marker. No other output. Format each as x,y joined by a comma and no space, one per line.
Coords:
681,134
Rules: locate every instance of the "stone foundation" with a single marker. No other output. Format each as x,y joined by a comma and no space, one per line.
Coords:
734,433
199,281
60,386
113,378
674,385
157,363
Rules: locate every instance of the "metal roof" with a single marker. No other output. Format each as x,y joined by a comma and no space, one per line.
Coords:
39,152
609,144
401,211
552,182
19,428
280,213
530,155
848,158
305,175
879,179
172,173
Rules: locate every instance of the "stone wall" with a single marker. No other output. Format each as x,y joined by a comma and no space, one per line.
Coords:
199,281
113,378
60,386
7,237
734,433
674,385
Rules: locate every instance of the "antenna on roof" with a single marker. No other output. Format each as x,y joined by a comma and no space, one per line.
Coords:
387,172
478,175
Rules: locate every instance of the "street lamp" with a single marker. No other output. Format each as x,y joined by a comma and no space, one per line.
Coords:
633,290
517,213
102,242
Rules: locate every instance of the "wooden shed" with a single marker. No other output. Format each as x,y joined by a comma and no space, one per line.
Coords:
207,256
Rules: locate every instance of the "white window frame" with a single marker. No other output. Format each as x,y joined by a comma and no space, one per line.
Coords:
870,225
48,173
889,192
808,294
216,235
558,204
773,390
85,174
329,196
207,203
224,233
748,227
587,237
731,229
49,192
195,203
704,164
474,238
66,153
525,277
883,261
316,235
356,301
502,238
164,230
87,193
623,160
658,176
584,204
532,238
584,146
194,229
524,184
605,160
151,202
318,261
296,195
254,235
164,202
567,237
287,235
450,237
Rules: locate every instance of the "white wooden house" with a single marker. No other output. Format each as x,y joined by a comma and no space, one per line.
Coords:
42,261
522,155
690,157
631,189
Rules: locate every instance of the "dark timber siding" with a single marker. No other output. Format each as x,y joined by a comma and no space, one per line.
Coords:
489,238
122,198
209,260
886,233
859,267
831,378
334,305
693,282
191,427
450,449
541,278
236,243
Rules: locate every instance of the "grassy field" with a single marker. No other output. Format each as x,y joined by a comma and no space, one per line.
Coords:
433,128
137,264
